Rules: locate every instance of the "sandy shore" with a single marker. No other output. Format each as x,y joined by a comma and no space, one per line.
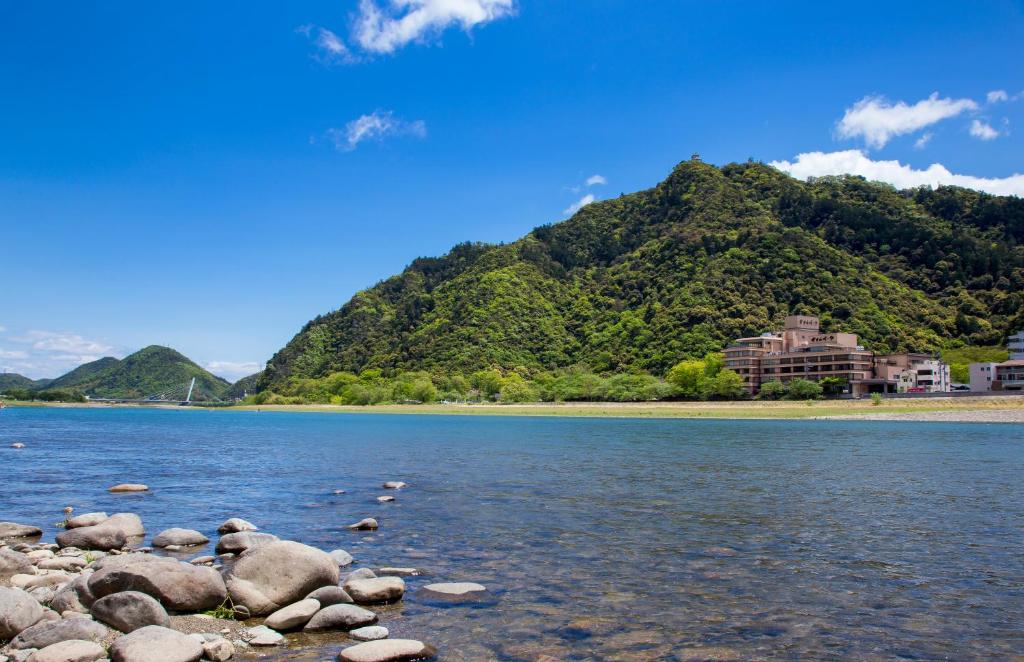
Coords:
984,409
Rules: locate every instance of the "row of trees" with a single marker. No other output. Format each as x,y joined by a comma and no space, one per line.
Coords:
28,395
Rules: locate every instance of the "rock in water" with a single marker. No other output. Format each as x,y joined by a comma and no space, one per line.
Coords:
181,537
367,524
455,593
378,590
18,611
236,525
293,616
218,649
129,524
178,586
17,444
270,577
129,487
85,519
385,499
340,617
330,595
369,633
130,610
236,543
15,530
388,650
47,633
342,557
14,563
261,635
93,537
142,645
72,650
394,485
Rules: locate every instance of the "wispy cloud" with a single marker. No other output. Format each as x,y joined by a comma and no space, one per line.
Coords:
52,353
923,141
878,121
579,204
233,370
13,354
377,126
596,180
330,48
995,96
856,162
386,29
983,130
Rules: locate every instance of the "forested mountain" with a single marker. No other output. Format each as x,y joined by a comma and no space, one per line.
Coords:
83,374
642,281
245,386
14,380
150,371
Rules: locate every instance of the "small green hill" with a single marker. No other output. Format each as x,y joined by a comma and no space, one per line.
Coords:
84,374
10,380
245,386
150,371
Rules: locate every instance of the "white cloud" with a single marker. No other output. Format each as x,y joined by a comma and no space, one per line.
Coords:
385,30
52,353
332,49
377,125
233,370
596,180
856,162
579,204
923,141
878,121
983,131
995,96
13,354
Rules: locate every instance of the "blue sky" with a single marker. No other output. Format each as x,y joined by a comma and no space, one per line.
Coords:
210,176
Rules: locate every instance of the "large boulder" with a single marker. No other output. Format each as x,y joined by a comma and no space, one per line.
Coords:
47,633
18,611
96,537
388,650
74,596
341,557
340,617
278,574
128,523
378,590
236,543
15,530
85,519
330,595
154,643
72,650
236,525
129,610
293,616
14,563
180,537
128,487
178,586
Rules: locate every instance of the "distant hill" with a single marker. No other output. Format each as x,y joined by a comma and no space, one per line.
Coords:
149,371
14,380
644,280
245,386
83,374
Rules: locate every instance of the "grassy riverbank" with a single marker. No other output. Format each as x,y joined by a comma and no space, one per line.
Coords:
980,409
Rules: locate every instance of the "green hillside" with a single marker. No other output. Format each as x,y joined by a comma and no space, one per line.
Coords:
12,380
640,282
149,371
245,385
84,374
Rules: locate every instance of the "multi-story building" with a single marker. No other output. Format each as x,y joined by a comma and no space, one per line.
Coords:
982,375
1016,346
1009,376
802,351
1006,376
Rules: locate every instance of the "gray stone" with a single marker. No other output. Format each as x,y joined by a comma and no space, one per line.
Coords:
378,590
65,563
178,586
17,444
128,487
341,557
340,617
397,572
93,537
365,524
202,560
72,650
14,563
454,593
15,530
369,633
218,649
76,596
154,643
52,578
388,650
39,554
293,616
394,485
236,525
278,574
128,523
85,519
261,635
330,595
236,543
18,611
359,573
48,633
130,610
43,594
21,655
182,537
385,499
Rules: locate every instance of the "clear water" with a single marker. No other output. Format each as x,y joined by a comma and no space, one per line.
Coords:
601,539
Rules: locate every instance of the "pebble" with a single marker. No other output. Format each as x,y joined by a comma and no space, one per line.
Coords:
369,633
261,635
387,650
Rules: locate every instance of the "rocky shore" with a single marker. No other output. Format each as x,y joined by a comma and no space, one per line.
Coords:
98,594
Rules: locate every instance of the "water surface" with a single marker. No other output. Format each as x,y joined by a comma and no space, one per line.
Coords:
602,539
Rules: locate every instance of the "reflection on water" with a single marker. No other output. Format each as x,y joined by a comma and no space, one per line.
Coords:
600,539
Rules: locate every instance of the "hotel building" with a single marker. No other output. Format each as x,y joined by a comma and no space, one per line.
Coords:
802,351
1005,376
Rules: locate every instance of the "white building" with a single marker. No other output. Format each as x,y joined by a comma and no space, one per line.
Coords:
982,375
1016,346
927,376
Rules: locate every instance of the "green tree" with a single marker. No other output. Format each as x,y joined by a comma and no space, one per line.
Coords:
804,389
772,390
833,386
713,363
516,389
726,385
687,377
